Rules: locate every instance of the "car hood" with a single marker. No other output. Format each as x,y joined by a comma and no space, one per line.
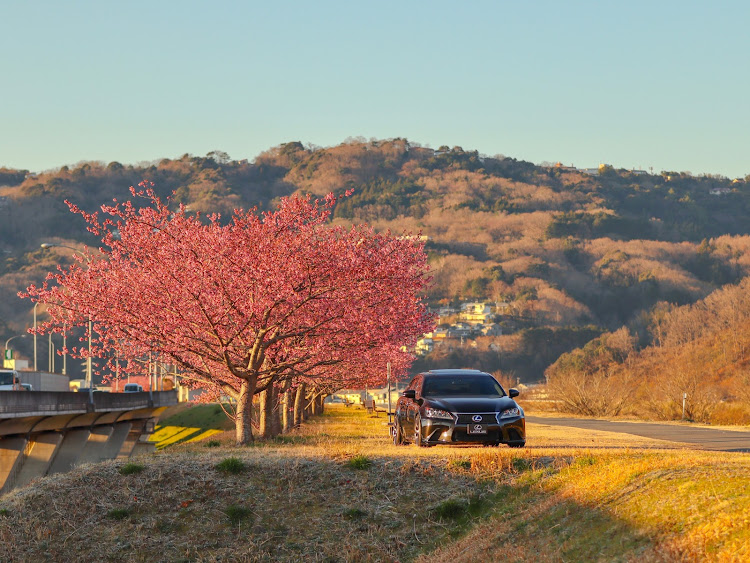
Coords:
471,404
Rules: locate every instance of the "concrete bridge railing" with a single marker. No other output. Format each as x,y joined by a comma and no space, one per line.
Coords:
42,433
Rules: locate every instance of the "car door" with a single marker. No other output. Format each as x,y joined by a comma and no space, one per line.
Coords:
405,410
412,406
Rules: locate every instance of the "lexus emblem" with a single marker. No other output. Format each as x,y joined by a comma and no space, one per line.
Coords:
477,418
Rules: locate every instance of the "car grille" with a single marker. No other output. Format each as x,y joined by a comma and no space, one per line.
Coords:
461,436
468,418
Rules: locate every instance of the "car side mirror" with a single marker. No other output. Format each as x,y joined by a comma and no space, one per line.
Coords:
513,393
410,394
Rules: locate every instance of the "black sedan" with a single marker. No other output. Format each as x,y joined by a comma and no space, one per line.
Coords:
458,406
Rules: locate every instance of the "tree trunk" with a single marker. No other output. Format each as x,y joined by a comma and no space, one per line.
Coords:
243,424
276,416
266,413
321,403
310,405
299,405
287,417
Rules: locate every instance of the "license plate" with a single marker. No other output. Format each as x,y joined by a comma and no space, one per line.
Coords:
477,429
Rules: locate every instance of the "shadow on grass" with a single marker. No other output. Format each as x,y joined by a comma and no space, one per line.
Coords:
522,522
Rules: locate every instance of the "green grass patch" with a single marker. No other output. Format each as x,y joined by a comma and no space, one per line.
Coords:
131,468
119,513
359,462
212,444
231,465
200,416
451,509
238,514
354,514
460,464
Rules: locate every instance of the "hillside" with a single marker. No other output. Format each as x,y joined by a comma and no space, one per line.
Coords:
697,367
337,490
566,248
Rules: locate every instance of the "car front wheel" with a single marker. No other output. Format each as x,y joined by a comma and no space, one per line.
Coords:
398,434
418,432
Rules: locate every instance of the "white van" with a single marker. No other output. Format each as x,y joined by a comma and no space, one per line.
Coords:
7,378
132,388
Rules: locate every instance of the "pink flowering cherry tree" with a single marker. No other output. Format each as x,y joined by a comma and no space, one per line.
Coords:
264,299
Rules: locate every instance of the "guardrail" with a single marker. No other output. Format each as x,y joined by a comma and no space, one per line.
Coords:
29,403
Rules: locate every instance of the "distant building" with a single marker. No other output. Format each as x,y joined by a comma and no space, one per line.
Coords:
589,171
492,330
720,191
503,307
476,313
460,330
440,334
446,311
424,346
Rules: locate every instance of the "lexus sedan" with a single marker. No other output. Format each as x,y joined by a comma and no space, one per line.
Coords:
458,406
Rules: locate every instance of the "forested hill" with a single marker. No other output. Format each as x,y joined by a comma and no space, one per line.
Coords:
563,247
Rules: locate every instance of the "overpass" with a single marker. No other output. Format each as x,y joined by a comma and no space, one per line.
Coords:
46,432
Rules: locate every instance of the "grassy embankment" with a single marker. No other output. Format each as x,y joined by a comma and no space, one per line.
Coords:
338,491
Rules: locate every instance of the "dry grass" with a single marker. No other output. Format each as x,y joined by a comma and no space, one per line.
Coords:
337,490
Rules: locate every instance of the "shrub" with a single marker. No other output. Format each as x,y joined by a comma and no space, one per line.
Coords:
213,444
118,513
585,461
237,514
231,465
359,462
731,413
520,464
131,468
354,514
460,463
451,509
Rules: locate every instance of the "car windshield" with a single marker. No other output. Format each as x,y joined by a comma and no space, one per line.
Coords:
462,386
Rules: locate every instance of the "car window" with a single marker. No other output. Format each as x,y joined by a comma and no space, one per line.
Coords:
462,386
416,384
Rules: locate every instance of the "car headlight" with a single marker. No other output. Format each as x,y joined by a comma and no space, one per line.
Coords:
437,413
508,413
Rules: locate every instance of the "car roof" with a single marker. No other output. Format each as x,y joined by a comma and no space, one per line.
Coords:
454,372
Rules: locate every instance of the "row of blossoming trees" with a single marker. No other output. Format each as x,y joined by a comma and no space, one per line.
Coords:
269,303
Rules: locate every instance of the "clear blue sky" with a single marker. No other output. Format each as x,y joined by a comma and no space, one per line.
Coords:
662,84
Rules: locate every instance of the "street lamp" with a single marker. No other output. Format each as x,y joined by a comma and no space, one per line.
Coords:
50,353
35,306
13,338
7,342
47,245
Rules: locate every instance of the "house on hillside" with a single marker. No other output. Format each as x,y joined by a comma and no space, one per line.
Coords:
439,334
720,191
492,329
460,330
446,311
503,308
424,346
589,171
476,313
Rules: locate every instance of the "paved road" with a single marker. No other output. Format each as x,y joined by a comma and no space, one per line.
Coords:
705,438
